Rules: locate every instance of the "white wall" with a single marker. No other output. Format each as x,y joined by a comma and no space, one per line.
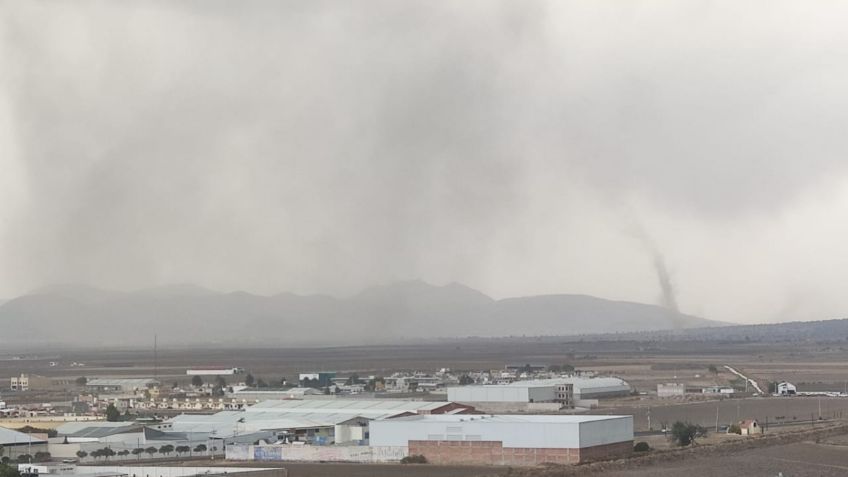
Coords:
512,434
317,453
607,431
159,471
496,393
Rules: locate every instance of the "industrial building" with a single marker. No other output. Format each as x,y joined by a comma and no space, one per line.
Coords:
566,392
14,443
311,420
120,385
667,390
507,439
514,396
214,371
596,388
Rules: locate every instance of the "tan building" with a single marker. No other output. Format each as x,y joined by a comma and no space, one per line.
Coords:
26,382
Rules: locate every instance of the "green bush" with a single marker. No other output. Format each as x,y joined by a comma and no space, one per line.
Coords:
734,429
641,447
685,433
414,459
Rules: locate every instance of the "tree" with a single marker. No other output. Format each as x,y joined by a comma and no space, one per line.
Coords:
41,456
734,429
465,380
220,381
200,448
182,449
151,450
81,381
685,433
713,369
123,453
138,451
107,452
196,381
112,413
24,458
260,383
82,454
283,381
166,449
249,380
8,471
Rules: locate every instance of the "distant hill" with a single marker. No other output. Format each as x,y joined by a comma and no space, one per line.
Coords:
403,311
821,331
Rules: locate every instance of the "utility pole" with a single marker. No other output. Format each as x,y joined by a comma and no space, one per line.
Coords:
649,419
716,418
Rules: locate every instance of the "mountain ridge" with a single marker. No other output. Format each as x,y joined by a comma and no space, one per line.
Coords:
407,310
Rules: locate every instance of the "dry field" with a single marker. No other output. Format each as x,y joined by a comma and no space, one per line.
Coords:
805,459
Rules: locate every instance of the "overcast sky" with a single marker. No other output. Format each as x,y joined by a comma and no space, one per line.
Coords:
517,147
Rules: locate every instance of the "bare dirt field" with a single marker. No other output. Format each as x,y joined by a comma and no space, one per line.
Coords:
806,459
301,469
773,411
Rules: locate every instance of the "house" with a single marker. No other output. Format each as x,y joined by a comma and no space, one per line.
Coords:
785,389
750,427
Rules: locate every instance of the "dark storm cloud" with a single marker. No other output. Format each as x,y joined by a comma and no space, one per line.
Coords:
326,146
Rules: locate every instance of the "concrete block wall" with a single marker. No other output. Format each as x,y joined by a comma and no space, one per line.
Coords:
493,453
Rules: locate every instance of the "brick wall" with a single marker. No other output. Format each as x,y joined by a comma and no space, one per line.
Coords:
493,453
607,451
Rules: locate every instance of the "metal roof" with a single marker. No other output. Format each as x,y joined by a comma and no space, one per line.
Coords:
122,382
294,414
346,406
11,437
517,418
71,428
98,432
233,423
579,383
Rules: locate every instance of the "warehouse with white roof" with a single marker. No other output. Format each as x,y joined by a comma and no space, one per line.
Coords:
564,390
507,439
322,421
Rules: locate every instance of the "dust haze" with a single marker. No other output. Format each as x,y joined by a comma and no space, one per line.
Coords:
324,147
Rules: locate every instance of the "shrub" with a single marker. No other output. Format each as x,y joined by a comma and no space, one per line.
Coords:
414,459
685,433
641,447
734,429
